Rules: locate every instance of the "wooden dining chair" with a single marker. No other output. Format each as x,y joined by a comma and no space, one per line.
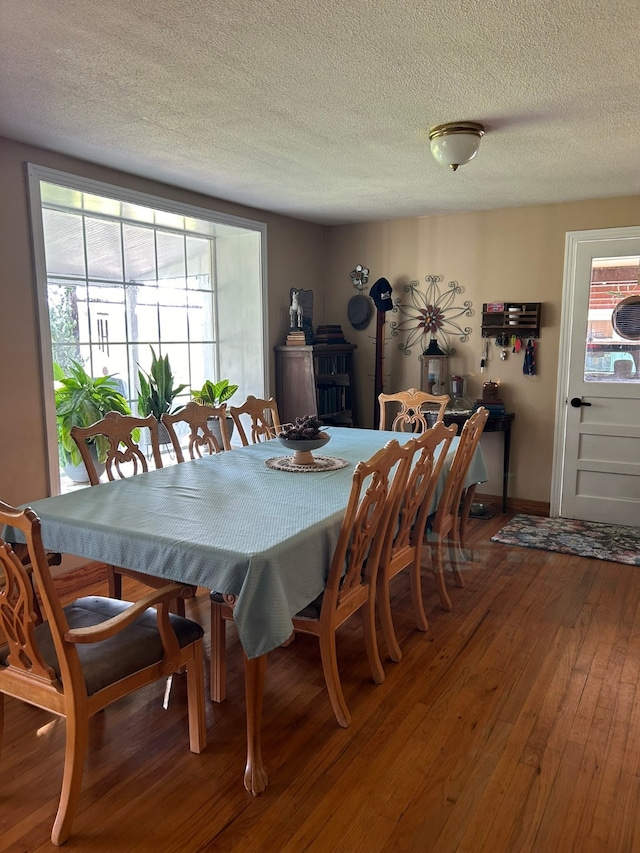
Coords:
375,495
444,525
414,405
402,546
87,654
118,433
201,438
114,433
53,558
263,414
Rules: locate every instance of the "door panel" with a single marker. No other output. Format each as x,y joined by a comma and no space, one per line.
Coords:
597,447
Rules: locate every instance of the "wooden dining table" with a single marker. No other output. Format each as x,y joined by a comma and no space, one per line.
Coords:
233,524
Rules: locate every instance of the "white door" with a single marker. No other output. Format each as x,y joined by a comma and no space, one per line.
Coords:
596,467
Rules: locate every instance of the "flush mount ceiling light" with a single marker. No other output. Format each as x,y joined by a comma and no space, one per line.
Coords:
455,143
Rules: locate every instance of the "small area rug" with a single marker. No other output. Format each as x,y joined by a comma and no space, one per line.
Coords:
611,542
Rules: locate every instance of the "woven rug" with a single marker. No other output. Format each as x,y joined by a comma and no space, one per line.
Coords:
584,538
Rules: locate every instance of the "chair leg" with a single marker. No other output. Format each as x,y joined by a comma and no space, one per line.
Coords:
195,700
368,611
455,554
445,601
114,581
465,508
332,677
77,738
386,620
218,672
1,720
416,594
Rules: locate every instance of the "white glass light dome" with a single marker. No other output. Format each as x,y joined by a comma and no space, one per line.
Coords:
456,143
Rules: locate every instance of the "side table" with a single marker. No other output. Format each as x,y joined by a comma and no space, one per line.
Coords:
495,423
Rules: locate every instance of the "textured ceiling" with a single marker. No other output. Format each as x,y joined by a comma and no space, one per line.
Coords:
320,109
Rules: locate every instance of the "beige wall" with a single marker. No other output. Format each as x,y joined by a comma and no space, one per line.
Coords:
500,255
296,257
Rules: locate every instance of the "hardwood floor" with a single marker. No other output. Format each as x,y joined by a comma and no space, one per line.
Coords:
512,725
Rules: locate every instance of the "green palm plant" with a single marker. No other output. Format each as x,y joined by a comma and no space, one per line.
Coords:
82,400
157,391
214,393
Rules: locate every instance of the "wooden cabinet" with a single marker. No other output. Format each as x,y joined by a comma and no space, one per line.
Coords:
316,380
514,318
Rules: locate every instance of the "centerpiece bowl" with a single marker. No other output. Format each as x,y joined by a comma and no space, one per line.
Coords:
303,447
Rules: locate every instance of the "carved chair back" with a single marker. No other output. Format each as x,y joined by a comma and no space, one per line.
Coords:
122,449
413,407
201,437
265,421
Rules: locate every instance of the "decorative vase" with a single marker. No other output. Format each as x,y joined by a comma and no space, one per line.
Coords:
214,426
303,447
78,473
163,434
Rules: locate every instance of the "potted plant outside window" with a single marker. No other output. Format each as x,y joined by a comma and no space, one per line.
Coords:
215,394
157,392
81,400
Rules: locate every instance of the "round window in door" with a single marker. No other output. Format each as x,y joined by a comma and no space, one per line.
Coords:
626,318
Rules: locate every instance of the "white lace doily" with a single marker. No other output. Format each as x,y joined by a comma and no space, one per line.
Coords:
320,463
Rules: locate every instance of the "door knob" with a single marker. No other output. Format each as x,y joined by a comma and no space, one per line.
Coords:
576,402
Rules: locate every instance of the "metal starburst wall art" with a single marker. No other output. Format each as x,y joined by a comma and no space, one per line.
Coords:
431,316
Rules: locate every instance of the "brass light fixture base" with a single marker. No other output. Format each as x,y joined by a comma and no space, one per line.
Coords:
456,142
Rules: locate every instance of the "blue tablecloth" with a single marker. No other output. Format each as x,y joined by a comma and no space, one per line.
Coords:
225,522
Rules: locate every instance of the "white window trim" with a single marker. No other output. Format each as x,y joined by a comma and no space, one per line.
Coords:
36,174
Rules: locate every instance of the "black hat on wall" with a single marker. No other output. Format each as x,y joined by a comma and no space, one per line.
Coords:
381,295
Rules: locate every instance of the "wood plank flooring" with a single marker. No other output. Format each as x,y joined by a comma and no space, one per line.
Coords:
512,725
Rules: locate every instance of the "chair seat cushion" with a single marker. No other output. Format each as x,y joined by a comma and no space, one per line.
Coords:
132,649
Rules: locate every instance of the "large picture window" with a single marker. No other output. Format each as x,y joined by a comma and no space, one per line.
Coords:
120,274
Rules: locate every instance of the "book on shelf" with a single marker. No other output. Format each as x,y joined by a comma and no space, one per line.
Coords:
302,335
330,334
296,338
332,399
